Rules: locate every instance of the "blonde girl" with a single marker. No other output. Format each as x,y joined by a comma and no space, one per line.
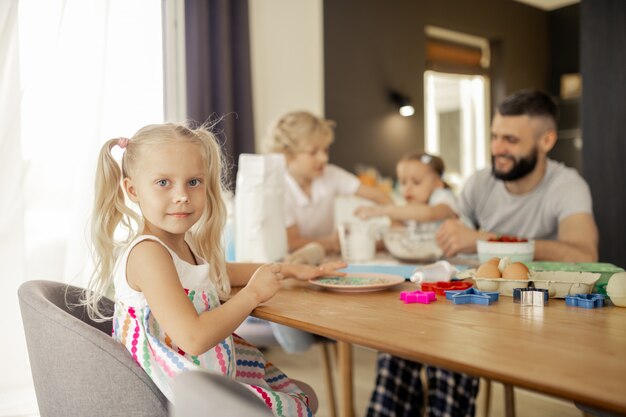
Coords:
168,269
428,198
312,184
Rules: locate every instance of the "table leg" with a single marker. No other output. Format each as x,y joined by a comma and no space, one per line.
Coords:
344,359
509,400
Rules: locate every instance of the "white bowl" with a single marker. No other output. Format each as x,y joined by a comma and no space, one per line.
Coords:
413,245
515,251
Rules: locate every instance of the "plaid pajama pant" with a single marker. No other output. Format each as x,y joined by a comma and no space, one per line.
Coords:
399,391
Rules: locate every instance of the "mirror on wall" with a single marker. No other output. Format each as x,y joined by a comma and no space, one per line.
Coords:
456,122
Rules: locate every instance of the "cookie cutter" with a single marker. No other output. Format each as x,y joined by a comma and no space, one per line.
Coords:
531,296
440,287
422,297
472,296
585,300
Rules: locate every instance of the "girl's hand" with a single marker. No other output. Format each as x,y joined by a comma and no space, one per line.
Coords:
306,272
265,282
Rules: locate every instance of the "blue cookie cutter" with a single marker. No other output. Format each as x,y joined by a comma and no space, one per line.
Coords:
472,296
585,300
531,296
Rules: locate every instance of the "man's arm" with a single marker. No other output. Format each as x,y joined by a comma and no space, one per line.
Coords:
577,242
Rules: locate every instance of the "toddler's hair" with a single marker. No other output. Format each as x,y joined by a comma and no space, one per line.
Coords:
433,161
291,133
111,211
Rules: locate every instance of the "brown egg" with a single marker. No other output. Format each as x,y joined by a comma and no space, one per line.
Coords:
516,270
494,261
488,270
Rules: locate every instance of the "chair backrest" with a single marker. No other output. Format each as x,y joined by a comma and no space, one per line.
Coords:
77,367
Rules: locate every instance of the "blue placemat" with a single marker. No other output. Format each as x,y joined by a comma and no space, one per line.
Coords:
404,270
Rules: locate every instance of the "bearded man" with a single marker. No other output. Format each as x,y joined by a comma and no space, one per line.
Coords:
525,193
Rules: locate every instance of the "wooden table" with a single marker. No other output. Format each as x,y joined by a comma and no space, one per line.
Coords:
568,352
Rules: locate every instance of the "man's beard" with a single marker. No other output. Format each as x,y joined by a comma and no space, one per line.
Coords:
521,166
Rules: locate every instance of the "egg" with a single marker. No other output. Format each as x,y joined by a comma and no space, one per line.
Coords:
488,270
515,270
616,289
494,261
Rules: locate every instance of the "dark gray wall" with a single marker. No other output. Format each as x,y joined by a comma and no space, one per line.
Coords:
372,46
564,45
603,63
565,59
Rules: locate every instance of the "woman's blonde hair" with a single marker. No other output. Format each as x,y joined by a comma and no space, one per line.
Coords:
111,211
293,131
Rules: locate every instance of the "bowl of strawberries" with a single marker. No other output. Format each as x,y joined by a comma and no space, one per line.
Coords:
517,249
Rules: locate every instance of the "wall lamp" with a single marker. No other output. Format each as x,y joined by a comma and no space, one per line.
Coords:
405,108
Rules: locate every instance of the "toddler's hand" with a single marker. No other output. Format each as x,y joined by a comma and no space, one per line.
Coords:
265,282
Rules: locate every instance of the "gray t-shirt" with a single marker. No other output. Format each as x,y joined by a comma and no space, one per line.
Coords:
487,205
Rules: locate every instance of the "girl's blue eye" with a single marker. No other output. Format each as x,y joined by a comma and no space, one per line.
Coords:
162,183
194,183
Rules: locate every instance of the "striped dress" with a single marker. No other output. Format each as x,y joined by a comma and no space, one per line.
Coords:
136,328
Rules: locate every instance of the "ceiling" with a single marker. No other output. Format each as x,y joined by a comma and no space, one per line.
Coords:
549,4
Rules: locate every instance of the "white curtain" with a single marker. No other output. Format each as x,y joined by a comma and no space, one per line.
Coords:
74,73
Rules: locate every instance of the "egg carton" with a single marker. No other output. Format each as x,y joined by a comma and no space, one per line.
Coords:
561,283
501,285
558,283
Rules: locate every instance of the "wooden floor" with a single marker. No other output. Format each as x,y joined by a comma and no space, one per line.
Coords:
307,367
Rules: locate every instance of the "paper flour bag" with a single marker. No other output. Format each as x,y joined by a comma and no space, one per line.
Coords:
259,208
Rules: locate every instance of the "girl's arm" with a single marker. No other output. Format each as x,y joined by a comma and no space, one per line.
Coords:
240,273
420,213
150,270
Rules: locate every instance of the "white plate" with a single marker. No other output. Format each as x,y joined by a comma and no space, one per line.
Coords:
358,282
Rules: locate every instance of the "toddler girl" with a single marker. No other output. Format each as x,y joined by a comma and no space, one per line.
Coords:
398,389
168,270
428,197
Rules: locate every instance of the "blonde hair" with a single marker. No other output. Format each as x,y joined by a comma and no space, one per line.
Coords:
293,131
110,210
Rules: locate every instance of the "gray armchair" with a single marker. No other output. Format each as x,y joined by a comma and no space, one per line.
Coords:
79,370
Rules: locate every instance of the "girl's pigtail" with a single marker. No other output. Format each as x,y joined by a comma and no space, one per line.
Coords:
207,235
109,211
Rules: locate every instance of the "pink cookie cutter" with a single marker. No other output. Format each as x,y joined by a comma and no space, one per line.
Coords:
422,297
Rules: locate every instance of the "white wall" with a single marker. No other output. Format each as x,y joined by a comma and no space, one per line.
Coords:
287,53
